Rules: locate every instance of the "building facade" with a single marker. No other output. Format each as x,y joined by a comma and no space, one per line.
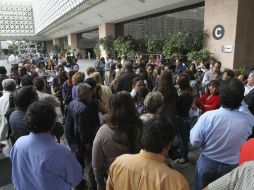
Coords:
80,23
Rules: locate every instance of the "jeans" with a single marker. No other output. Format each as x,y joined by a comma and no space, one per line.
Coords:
84,156
208,170
184,133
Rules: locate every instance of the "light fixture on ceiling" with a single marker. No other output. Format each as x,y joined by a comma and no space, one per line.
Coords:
142,1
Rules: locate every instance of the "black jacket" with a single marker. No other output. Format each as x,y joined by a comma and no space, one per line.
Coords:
125,81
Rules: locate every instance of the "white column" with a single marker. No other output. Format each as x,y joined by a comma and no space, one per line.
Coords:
106,29
73,42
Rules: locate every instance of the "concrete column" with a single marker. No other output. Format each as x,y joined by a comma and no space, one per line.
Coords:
236,47
73,42
244,43
56,41
106,29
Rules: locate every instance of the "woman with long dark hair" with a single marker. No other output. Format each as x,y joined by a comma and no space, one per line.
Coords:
167,89
120,135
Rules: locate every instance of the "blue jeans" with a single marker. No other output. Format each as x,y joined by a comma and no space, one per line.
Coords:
208,170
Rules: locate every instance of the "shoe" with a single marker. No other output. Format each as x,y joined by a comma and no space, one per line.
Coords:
2,145
181,161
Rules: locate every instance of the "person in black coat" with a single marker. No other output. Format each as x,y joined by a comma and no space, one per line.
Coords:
125,80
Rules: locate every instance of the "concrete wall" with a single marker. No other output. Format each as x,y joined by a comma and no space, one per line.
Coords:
49,46
237,18
244,44
221,12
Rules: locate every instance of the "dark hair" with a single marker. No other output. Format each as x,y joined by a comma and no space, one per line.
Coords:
98,92
129,66
158,70
123,118
207,65
183,82
40,117
171,67
150,65
25,96
214,83
27,80
15,67
60,66
232,93
166,87
190,74
135,80
179,59
70,74
230,73
3,70
158,133
91,82
219,63
39,83
141,93
22,71
119,66
90,70
194,67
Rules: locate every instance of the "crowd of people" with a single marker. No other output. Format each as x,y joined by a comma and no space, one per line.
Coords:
123,120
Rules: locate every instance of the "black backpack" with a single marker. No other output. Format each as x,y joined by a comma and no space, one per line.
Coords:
8,115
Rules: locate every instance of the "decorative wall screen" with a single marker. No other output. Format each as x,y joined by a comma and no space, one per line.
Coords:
16,18
161,26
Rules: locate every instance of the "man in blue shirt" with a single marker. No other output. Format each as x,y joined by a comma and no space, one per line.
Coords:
179,66
38,162
220,134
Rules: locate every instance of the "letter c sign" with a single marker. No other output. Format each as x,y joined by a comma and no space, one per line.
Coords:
218,32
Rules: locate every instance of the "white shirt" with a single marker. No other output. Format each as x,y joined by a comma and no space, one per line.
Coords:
13,59
247,89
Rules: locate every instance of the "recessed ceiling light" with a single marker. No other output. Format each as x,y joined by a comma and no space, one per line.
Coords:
142,1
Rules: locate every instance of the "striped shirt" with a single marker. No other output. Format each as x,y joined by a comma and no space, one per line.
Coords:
241,178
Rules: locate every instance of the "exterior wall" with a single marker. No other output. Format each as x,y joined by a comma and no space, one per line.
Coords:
49,46
244,44
56,41
221,12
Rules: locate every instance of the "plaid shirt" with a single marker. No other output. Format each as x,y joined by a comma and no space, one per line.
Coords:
241,178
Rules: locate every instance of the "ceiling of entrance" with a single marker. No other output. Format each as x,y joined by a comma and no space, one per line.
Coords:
111,11
92,13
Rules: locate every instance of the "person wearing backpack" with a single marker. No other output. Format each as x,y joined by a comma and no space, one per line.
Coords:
9,86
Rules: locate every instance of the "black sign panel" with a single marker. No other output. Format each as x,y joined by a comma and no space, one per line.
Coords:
218,32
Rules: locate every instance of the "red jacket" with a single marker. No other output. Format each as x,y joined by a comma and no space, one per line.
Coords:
213,101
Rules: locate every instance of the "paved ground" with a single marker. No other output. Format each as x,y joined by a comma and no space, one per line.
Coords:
188,169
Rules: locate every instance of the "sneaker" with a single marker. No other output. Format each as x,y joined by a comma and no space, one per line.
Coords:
181,161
